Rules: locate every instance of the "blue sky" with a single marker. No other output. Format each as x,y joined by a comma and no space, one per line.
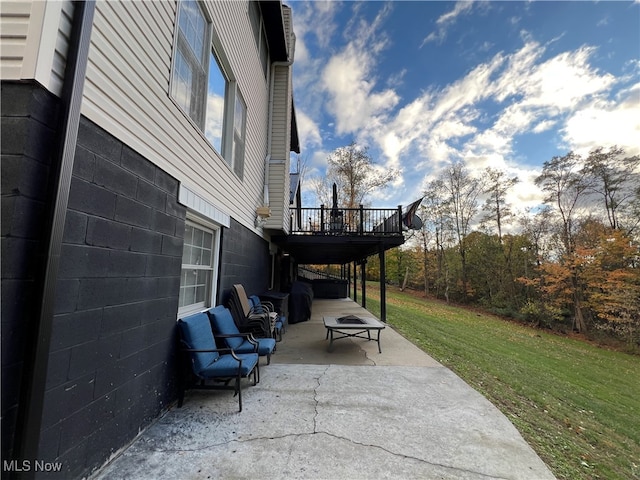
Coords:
505,84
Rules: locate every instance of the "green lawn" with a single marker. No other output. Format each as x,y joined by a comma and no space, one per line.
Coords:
576,404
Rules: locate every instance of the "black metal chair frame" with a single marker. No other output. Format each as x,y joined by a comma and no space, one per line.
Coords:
201,381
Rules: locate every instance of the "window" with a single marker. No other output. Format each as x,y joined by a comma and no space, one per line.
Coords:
260,36
197,277
190,63
203,86
216,94
239,120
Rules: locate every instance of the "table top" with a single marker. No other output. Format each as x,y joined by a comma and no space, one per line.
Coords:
366,323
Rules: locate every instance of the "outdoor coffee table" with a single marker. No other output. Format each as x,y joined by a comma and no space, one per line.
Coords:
351,326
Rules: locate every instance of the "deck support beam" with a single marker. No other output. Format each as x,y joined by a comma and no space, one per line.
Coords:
383,286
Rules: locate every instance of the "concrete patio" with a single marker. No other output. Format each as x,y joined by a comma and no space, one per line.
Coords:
352,413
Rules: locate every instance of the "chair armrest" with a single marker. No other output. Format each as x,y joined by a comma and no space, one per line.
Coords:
248,335
269,305
258,310
227,351
208,350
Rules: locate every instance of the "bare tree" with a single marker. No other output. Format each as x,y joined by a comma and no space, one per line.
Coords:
617,181
355,174
435,215
496,186
463,190
566,186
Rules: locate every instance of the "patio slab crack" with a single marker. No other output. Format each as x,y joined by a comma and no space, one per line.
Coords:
403,456
315,398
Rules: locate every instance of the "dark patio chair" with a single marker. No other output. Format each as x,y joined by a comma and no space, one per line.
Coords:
226,329
262,306
248,320
210,364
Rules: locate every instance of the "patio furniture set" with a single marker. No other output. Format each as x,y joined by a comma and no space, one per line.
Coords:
221,346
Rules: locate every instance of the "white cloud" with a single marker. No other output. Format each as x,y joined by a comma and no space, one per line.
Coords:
446,20
350,83
315,20
477,118
543,126
606,124
308,130
565,80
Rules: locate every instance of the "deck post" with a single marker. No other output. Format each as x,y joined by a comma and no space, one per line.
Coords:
383,285
355,282
363,275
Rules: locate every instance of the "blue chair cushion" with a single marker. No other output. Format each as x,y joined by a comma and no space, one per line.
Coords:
254,301
196,332
266,346
223,324
227,366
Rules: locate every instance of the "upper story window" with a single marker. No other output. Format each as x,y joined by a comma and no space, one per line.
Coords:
190,60
260,36
216,94
239,125
203,86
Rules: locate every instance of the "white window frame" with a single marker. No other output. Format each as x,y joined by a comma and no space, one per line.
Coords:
196,110
238,134
210,294
260,36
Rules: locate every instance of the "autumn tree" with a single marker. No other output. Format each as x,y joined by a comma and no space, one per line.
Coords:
566,184
612,282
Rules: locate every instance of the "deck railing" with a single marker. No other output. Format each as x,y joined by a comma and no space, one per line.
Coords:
346,221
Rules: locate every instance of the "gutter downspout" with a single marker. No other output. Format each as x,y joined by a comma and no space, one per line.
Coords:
29,422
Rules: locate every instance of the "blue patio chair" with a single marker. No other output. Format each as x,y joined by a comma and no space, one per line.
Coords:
226,329
210,364
260,306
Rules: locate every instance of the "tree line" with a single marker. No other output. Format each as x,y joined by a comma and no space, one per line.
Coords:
573,263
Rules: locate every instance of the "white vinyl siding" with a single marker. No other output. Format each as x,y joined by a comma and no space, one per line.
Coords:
281,121
127,93
62,47
279,163
14,27
35,39
279,183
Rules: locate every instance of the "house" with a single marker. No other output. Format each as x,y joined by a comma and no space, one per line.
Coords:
145,168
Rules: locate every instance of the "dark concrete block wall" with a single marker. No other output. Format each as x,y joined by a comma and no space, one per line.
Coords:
113,348
29,120
112,361
244,259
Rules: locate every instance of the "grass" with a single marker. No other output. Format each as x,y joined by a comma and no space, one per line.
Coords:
576,404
